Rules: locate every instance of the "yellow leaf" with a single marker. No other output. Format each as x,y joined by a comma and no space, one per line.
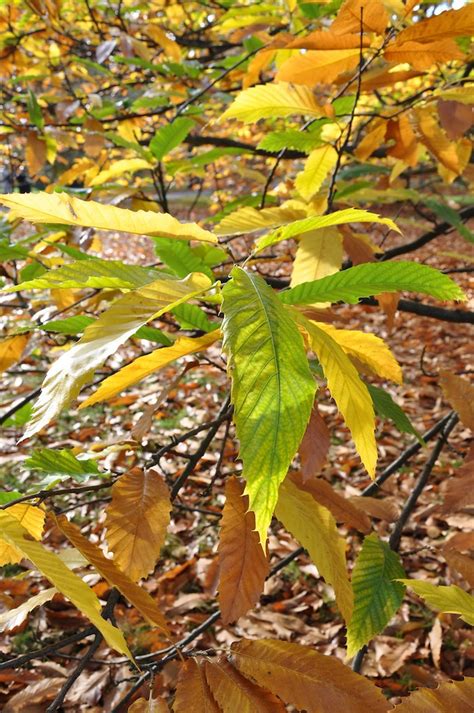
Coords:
319,253
367,350
63,579
137,520
249,220
454,696
80,168
233,692
372,140
318,66
242,562
14,617
118,168
422,55
67,210
436,141
138,597
273,100
452,599
459,392
371,14
169,46
306,679
315,528
453,23
148,364
75,367
11,350
317,166
348,391
192,691
32,519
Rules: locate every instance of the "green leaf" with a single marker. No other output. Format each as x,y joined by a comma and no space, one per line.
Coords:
20,417
34,111
450,216
95,273
77,324
452,599
170,136
371,279
193,317
292,139
179,257
102,339
65,581
386,407
376,595
340,217
61,461
272,387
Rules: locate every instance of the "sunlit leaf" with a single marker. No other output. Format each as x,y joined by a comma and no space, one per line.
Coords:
137,520
31,519
452,599
272,387
11,350
273,100
318,165
170,136
62,461
376,595
233,692
249,220
15,617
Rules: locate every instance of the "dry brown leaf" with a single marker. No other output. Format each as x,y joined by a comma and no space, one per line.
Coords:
234,692
459,392
35,152
314,447
405,146
137,520
381,509
192,691
34,697
243,565
455,117
422,56
463,564
94,139
137,596
149,705
435,637
343,510
459,489
451,697
388,301
359,247
306,679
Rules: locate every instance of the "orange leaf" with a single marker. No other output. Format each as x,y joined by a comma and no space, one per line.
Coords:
371,140
453,23
11,350
234,692
421,55
306,679
459,393
381,509
137,520
243,565
139,598
35,152
406,144
318,66
436,141
192,691
371,14
343,509
454,696
328,40
314,447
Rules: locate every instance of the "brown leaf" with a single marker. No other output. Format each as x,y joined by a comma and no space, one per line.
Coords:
34,697
455,117
306,679
453,697
35,152
405,146
243,565
314,447
359,247
459,392
234,692
137,520
381,509
435,637
371,14
389,303
150,705
343,510
94,139
463,564
137,596
192,691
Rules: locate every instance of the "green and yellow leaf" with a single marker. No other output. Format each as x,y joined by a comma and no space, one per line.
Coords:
317,167
273,100
452,599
